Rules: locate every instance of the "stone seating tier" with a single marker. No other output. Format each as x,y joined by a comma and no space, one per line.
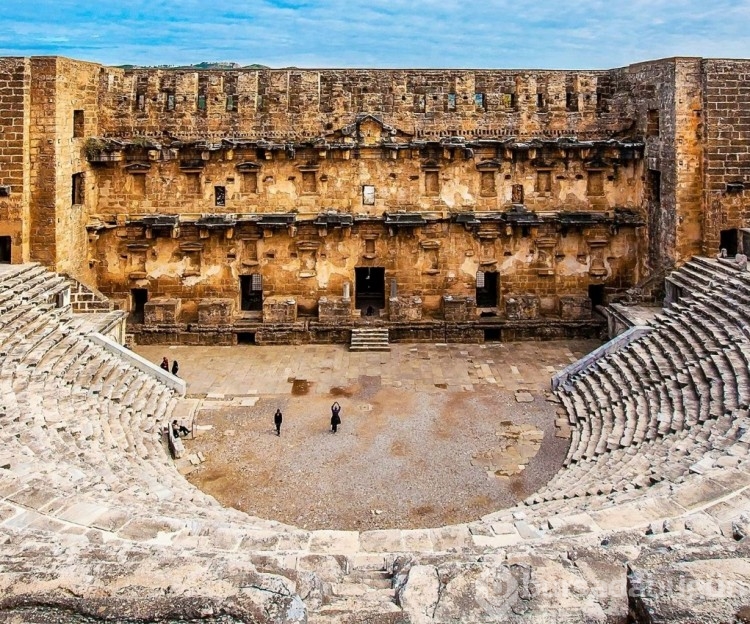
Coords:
660,439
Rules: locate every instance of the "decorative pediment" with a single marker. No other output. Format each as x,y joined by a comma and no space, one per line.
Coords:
137,167
368,129
248,165
489,165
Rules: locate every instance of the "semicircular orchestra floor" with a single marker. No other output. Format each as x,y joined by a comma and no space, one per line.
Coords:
431,434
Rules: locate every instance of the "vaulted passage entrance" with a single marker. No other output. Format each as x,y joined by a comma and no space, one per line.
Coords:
369,288
728,241
4,249
251,287
486,289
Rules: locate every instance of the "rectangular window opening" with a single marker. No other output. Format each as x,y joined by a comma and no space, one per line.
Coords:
140,100
220,195
231,103
368,195
451,101
78,189
78,124
201,101
420,103
654,185
541,103
170,101
652,126
479,100
571,101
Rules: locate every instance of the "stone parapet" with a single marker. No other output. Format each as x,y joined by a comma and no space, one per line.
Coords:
521,307
279,310
459,309
162,312
215,312
334,309
405,309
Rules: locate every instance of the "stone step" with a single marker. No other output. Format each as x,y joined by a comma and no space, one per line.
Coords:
369,339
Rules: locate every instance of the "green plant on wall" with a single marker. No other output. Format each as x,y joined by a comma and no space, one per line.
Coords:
94,147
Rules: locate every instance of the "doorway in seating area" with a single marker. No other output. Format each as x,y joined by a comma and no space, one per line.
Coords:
596,294
251,288
139,298
369,289
728,241
4,249
486,289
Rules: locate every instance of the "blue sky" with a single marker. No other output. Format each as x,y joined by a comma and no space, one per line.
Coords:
378,33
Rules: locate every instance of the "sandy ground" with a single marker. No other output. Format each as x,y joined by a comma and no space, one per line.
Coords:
401,459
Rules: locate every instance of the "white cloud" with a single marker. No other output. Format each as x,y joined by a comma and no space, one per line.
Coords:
378,33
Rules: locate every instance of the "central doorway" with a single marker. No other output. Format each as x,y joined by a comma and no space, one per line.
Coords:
486,289
251,289
369,288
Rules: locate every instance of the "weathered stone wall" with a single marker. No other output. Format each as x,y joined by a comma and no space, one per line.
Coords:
665,96
59,87
285,103
429,261
726,138
15,79
526,174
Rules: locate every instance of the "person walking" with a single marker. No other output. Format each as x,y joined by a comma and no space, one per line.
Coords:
165,364
277,418
175,367
335,418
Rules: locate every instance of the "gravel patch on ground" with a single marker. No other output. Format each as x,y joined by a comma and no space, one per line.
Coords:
401,459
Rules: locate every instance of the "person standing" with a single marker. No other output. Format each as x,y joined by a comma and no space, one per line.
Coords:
175,367
277,418
165,364
335,418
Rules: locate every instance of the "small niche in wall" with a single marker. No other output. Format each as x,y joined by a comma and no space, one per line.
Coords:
595,183
543,181
431,182
5,190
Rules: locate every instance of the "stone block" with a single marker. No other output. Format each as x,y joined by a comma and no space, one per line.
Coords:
279,310
405,309
334,309
572,307
215,311
521,307
459,309
162,311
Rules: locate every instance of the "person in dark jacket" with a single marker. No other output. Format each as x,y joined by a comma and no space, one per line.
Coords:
175,367
335,418
277,418
165,364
